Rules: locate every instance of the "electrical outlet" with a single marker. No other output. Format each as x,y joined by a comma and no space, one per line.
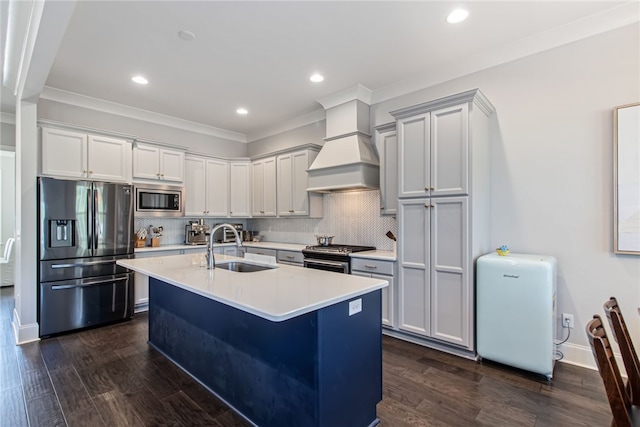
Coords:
567,320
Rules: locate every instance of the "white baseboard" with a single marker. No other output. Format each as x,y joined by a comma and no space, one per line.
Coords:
24,333
580,355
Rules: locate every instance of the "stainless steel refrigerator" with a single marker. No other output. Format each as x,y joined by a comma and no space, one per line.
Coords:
84,227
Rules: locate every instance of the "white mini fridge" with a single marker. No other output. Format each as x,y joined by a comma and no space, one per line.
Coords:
516,310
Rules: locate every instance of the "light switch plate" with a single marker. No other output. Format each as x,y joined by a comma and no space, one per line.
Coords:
355,306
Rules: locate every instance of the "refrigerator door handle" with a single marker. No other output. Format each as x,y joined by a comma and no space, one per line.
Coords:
89,219
87,283
96,225
81,264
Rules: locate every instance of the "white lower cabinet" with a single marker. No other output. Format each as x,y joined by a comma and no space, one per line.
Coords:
290,257
141,281
262,251
384,270
435,292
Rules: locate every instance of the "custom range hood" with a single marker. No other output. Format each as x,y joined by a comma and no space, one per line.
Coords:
347,160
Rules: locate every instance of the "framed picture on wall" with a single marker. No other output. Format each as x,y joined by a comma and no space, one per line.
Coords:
626,155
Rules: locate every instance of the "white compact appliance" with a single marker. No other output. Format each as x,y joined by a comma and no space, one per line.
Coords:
516,310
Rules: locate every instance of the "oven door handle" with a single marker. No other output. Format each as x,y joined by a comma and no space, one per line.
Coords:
322,262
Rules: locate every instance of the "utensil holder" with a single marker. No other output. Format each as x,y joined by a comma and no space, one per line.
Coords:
140,243
155,242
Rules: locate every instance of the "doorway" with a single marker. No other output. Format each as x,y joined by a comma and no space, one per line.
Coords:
7,209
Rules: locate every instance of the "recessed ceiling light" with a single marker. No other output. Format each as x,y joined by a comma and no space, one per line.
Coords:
457,16
140,80
242,111
186,35
316,78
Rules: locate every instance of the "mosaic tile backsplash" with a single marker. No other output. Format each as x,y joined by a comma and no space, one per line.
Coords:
353,218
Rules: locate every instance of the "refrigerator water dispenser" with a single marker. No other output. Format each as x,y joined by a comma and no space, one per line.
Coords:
61,232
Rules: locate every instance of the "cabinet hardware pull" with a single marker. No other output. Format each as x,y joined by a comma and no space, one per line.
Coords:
381,208
90,171
427,205
290,257
291,210
84,171
370,266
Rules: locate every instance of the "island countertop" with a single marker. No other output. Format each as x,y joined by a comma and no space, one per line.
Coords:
276,294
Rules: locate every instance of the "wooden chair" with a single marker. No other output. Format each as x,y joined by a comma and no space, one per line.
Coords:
629,355
624,413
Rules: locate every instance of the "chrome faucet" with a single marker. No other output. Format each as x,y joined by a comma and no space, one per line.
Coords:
211,261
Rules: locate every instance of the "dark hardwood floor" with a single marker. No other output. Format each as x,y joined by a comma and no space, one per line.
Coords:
110,377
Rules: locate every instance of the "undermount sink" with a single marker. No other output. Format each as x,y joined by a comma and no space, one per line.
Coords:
242,267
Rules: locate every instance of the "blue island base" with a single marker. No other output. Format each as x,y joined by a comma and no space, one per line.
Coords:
323,368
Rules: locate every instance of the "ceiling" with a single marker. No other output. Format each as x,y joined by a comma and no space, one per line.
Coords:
259,55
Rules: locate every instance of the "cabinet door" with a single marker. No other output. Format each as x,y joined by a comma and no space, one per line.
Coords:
387,147
450,151
195,187
145,162
413,156
285,185
239,201
257,188
171,165
217,188
109,159
450,283
413,255
387,300
270,187
64,153
300,182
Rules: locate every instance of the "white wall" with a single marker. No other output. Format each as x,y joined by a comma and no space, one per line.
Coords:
192,141
313,133
552,167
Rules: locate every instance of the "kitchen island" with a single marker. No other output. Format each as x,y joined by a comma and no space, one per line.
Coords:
286,346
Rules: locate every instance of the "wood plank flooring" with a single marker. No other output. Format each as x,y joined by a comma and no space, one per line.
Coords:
110,377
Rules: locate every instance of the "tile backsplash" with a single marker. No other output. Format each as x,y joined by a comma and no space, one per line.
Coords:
352,217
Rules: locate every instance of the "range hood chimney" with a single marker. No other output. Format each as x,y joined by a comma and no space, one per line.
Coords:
347,161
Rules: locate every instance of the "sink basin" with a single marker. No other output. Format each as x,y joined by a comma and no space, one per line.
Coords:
242,267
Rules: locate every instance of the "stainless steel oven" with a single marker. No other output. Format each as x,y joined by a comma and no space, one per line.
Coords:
159,200
334,258
328,265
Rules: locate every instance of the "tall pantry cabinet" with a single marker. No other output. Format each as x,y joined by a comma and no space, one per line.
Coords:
443,215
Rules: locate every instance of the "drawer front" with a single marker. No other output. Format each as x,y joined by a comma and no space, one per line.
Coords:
290,256
262,251
372,266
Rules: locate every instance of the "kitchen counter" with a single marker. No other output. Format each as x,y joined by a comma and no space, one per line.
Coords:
277,294
179,247
381,255
284,347
275,245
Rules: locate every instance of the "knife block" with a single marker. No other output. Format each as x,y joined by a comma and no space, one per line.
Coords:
155,242
139,243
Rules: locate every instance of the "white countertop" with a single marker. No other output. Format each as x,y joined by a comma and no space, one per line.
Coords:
381,255
177,247
275,245
277,294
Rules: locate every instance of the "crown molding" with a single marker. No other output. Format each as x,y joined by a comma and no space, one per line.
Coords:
607,20
84,101
297,122
359,92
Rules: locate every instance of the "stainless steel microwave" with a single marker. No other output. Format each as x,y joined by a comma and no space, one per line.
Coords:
159,200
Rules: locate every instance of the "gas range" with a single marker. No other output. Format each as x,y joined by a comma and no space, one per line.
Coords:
336,249
332,258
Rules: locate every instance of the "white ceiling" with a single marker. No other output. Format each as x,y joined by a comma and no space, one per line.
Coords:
259,55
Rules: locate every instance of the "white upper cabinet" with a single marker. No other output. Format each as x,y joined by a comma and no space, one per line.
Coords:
386,143
240,185
206,187
158,164
434,153
263,189
77,155
292,182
